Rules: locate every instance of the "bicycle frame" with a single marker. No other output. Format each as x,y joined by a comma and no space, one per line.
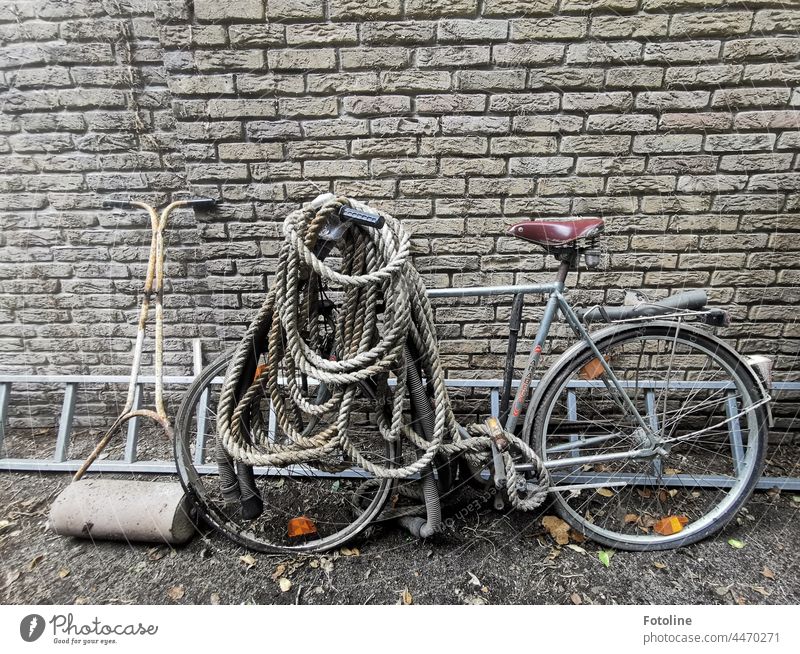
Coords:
556,302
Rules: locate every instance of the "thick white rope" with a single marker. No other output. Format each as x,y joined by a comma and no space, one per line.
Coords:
375,270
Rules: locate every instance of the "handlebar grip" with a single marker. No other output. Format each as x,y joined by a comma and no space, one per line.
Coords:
347,214
122,204
202,203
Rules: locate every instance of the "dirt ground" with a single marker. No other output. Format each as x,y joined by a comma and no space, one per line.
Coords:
488,558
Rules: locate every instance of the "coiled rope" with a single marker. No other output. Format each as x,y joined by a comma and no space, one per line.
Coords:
384,306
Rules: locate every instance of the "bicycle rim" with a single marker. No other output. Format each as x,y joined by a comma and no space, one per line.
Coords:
691,392
338,501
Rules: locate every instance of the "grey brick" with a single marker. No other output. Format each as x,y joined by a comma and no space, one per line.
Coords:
226,9
335,168
634,77
415,80
620,123
249,151
227,60
762,48
739,142
662,100
454,145
768,120
756,162
342,83
410,125
295,9
629,27
446,104
472,30
777,21
440,8
234,108
683,51
524,102
334,127
472,166
682,164
696,121
475,124
711,24
316,33
374,106
570,77
490,80
775,182
597,52
380,58
590,144
711,183
609,165
436,187
703,76
365,9
667,143
453,56
257,35
266,130
270,171
398,33
549,28
540,165
602,5
314,150
515,7
201,84
523,54
547,124
296,59
609,101
385,147
216,172
773,72
403,167
307,107
752,97
570,186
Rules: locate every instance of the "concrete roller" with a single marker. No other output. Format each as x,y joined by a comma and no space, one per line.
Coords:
114,509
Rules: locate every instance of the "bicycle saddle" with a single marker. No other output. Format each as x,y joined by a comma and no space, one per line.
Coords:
556,233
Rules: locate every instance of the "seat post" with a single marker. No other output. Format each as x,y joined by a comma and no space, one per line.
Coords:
564,267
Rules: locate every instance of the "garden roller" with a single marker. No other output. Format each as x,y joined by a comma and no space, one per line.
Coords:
133,510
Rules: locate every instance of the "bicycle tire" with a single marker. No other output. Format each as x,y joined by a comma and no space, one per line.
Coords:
200,481
623,518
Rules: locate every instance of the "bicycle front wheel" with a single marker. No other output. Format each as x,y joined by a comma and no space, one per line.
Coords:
329,506
677,472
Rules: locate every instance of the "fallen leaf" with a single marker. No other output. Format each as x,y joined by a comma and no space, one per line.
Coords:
605,492
406,597
285,584
11,577
761,590
644,493
279,572
176,592
214,599
576,548
695,494
557,528
6,525
473,579
736,544
766,572
81,600
313,563
248,560
576,598
63,573
485,590
722,590
36,560
660,565
554,553
473,599
577,536
630,518
605,557
348,551
155,554
671,471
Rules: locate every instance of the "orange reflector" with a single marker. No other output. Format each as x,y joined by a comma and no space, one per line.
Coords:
593,369
670,525
259,371
302,526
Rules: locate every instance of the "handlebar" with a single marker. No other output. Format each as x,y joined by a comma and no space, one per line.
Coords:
348,214
196,203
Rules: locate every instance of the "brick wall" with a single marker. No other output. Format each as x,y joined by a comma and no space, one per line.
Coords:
677,121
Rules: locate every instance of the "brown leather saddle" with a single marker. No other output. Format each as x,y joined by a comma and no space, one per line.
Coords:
557,234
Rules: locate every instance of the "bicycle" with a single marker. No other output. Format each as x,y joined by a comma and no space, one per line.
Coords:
624,432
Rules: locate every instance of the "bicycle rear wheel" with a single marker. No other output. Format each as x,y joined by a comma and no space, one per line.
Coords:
699,400
339,501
